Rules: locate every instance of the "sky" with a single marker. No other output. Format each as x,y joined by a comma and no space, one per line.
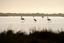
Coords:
32,6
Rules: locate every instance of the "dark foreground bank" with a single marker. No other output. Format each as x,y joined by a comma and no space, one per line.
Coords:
35,37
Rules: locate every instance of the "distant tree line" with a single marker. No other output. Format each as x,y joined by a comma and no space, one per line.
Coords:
35,37
31,14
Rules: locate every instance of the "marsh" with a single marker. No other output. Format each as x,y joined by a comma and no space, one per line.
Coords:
15,23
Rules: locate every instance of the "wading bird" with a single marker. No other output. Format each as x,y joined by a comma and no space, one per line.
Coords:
22,18
34,19
48,19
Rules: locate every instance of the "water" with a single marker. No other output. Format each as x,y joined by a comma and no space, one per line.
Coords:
15,23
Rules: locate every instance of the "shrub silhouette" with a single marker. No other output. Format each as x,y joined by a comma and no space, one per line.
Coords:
61,37
35,37
44,37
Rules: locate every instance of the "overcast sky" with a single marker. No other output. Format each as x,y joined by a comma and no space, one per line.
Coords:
32,6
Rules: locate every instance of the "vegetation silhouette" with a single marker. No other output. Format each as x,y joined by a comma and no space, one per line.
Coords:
34,37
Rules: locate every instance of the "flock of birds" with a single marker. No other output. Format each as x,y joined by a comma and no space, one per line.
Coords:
48,19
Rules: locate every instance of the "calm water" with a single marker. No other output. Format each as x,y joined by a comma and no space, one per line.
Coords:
15,23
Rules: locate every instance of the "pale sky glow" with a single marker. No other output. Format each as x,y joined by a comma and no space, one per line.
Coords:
32,6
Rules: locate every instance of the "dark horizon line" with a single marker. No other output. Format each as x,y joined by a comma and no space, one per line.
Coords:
31,14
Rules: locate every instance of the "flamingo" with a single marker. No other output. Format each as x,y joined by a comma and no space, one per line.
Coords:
22,18
48,19
34,19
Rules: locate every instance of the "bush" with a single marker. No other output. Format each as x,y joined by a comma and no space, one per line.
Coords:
35,37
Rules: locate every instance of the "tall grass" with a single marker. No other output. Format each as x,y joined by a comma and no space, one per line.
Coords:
34,37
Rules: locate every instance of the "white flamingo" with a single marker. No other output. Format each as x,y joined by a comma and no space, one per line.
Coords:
22,18
34,19
48,19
